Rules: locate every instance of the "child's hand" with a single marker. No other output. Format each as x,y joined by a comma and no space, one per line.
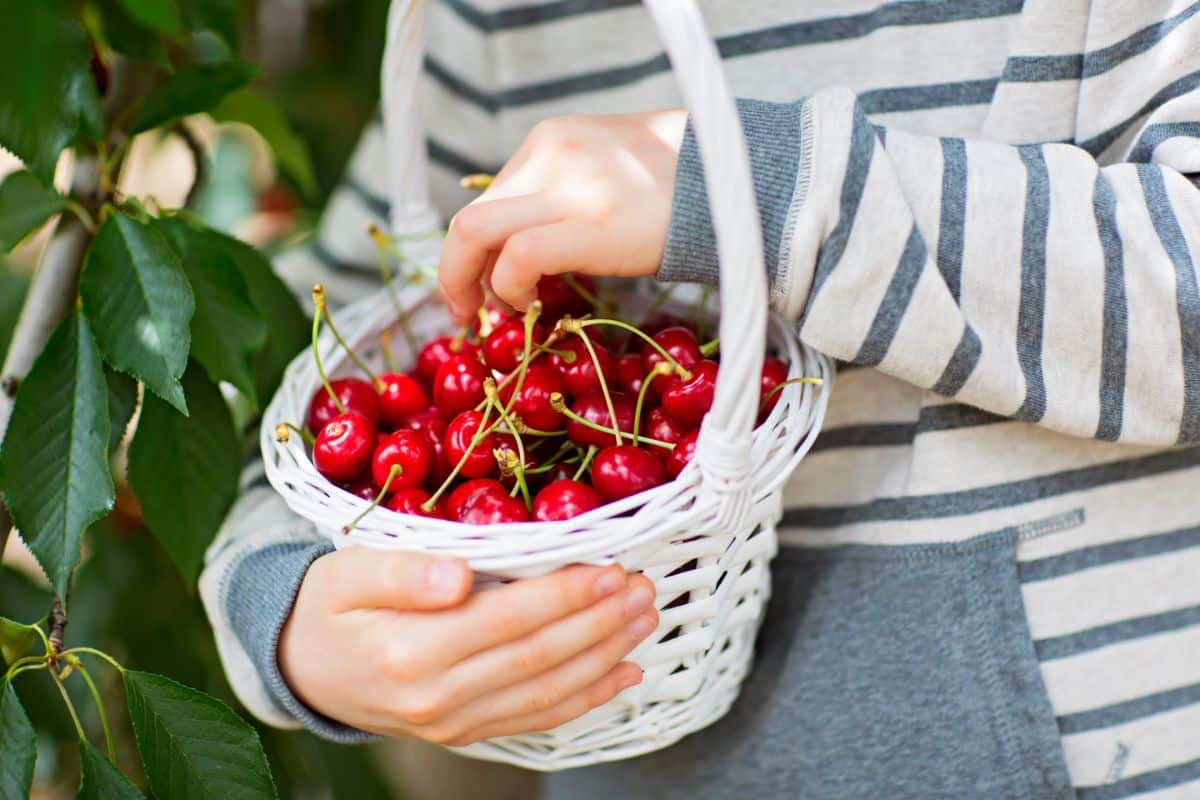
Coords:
584,194
393,643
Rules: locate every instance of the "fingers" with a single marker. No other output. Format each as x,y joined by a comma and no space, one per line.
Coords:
536,697
361,577
498,616
532,253
550,646
475,231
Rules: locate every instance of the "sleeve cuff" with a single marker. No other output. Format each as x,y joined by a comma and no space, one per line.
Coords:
774,137
262,591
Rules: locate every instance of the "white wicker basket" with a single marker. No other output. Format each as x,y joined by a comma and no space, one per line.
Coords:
705,539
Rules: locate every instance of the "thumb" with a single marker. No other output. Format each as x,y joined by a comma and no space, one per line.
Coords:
365,577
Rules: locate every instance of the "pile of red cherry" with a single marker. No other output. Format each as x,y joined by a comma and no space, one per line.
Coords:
513,419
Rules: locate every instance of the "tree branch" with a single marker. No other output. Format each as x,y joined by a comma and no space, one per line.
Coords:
199,159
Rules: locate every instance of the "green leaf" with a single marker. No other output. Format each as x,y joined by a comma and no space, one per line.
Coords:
125,35
44,57
100,780
193,746
160,15
25,203
217,16
15,640
259,112
288,328
190,91
54,461
18,747
139,301
13,287
184,470
122,400
226,328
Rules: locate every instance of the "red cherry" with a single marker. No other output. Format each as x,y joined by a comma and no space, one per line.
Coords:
559,299
408,450
630,373
411,500
662,426
565,499
681,456
621,470
356,395
490,507
533,401
344,446
431,424
496,316
458,384
592,407
579,374
438,351
774,372
364,488
458,437
656,323
559,472
681,344
400,396
466,491
688,401
505,346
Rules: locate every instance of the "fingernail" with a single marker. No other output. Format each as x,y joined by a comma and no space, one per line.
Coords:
638,599
630,680
609,582
642,627
444,578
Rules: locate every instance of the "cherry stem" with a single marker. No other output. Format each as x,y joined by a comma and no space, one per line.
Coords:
358,362
710,347
476,180
527,351
578,289
285,429
777,388
395,471
559,456
319,308
661,368
385,346
567,356
702,311
489,388
382,247
75,662
480,432
583,323
587,462
556,402
612,410
70,706
662,298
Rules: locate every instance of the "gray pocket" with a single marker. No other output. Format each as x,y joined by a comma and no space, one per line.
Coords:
882,672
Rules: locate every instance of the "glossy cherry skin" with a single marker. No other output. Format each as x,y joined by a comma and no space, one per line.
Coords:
660,425
466,491
559,472
592,407
344,446
457,440
410,451
411,500
681,456
495,314
656,323
559,299
774,372
533,401
490,507
432,425
364,488
438,351
689,400
504,347
564,499
356,395
680,343
630,373
579,374
399,397
458,385
620,471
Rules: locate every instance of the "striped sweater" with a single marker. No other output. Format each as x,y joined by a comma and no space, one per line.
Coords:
988,211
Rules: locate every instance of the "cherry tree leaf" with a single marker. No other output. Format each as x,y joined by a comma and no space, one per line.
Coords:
184,470
260,112
190,91
160,15
18,746
25,203
193,746
54,460
99,779
138,298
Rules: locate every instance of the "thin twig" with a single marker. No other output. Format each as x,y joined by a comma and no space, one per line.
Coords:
199,160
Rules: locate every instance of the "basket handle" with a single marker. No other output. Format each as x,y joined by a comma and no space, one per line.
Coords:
723,449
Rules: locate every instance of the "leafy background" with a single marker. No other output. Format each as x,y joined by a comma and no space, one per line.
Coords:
317,62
